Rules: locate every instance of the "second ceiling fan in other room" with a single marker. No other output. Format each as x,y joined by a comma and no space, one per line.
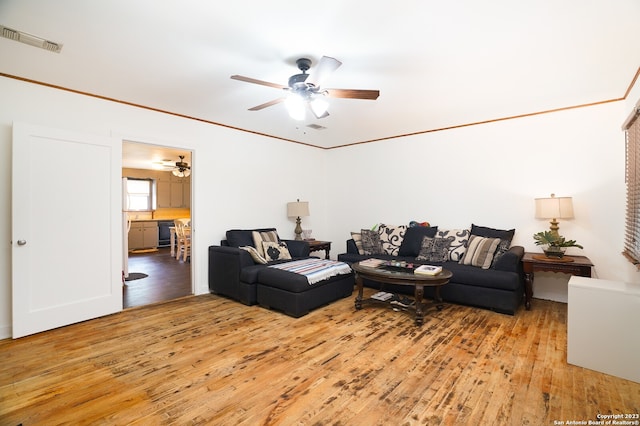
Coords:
306,89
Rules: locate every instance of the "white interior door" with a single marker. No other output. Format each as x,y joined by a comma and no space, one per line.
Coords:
66,228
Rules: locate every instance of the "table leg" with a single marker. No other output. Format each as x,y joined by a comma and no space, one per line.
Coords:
438,299
528,289
359,286
419,294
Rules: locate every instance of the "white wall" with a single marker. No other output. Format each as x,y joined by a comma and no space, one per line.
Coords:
487,174
240,180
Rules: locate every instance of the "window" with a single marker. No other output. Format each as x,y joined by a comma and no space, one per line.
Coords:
139,194
632,177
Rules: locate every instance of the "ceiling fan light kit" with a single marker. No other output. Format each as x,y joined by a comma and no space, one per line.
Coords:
182,169
304,89
319,107
295,106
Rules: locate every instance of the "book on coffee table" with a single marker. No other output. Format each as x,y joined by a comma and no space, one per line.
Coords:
372,263
382,295
427,270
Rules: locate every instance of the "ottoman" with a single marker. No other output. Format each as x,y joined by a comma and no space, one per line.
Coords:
292,294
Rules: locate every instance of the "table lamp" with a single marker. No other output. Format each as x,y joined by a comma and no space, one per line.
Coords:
297,209
554,208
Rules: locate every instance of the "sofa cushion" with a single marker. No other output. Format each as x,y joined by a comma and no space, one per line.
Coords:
357,239
480,251
505,236
295,283
261,236
243,237
249,274
254,254
239,237
391,237
274,250
483,231
473,276
371,244
435,249
459,243
503,247
412,242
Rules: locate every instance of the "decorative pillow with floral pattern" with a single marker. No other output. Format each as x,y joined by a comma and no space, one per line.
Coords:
391,237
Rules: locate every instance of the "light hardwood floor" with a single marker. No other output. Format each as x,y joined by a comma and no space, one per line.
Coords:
209,360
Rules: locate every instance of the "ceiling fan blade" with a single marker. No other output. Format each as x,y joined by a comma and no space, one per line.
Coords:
324,69
353,94
323,115
267,104
255,81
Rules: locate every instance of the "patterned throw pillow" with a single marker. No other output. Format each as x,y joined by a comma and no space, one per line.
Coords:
480,251
357,238
503,247
259,237
435,249
457,247
254,254
391,237
276,250
370,242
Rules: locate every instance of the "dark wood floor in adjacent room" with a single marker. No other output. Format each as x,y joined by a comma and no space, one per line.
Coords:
207,360
168,279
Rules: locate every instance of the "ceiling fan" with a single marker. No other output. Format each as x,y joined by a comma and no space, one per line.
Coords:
305,89
182,168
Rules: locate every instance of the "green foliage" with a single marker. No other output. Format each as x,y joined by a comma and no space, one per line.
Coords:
553,240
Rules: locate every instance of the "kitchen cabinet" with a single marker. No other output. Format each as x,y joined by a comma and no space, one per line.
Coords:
143,234
173,191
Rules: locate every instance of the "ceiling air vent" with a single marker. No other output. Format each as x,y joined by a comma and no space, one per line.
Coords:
29,39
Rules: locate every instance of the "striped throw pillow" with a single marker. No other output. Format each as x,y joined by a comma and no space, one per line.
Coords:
480,251
260,237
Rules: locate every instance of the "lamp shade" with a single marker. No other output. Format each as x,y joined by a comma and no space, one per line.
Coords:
554,208
298,209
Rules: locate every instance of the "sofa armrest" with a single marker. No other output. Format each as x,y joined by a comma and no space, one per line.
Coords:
232,256
298,248
225,264
511,260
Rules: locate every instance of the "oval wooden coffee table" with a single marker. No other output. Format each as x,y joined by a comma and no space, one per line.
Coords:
417,281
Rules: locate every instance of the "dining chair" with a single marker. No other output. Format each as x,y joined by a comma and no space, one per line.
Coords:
183,237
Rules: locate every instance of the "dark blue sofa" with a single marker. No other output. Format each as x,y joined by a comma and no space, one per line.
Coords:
499,288
233,273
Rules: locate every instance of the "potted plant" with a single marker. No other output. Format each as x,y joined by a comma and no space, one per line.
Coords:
553,244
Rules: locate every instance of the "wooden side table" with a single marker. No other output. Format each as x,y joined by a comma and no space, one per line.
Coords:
315,245
531,262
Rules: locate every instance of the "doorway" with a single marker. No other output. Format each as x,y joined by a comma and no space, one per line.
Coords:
154,274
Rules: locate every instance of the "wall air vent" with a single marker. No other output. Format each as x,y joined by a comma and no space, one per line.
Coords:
316,126
29,39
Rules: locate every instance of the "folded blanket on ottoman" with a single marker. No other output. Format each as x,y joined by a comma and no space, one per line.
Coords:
315,270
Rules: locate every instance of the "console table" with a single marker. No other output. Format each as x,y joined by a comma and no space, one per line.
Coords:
531,262
315,245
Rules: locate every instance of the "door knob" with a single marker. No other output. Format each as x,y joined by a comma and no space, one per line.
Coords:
22,242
